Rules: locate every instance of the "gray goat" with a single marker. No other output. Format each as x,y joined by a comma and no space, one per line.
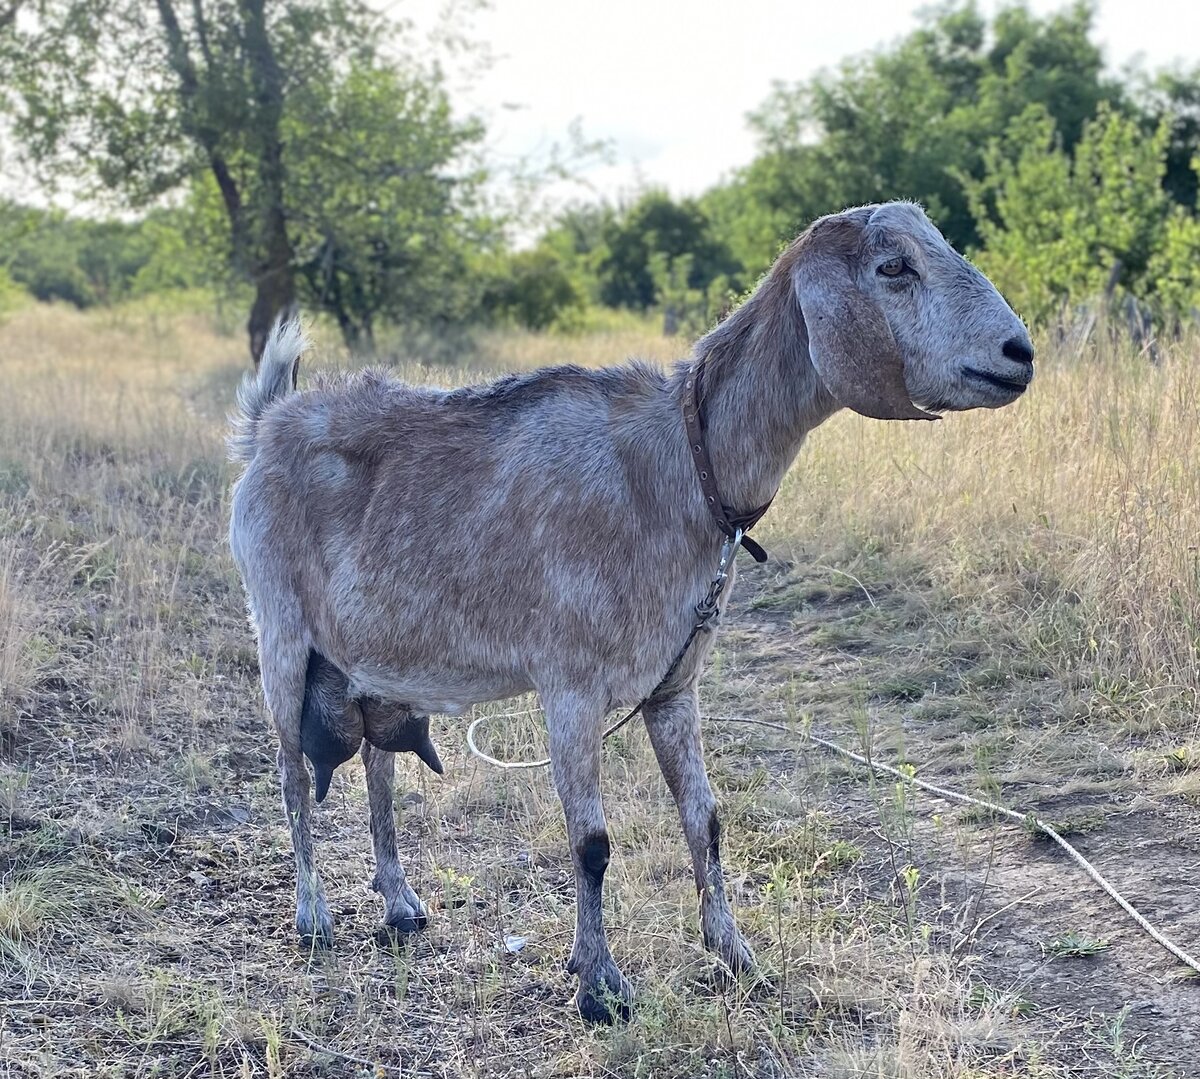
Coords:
409,550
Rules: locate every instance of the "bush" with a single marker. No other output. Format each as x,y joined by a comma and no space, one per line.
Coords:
534,290
12,296
1062,229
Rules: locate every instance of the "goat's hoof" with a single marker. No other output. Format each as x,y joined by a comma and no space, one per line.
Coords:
317,939
404,926
605,998
314,926
737,956
728,945
315,942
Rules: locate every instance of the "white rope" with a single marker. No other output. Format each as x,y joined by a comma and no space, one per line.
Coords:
1026,819
509,766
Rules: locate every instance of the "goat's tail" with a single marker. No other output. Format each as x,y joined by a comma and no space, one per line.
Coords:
276,376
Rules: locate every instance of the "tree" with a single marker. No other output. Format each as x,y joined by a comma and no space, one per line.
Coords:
910,121
532,289
1174,268
381,201
242,97
1174,96
56,257
656,225
1061,228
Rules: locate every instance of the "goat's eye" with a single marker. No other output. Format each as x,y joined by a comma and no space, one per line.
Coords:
893,267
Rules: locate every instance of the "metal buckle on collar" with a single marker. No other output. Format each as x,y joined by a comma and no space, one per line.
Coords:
708,609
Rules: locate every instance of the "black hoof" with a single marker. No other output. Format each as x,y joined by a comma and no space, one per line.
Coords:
320,941
599,1008
315,929
401,927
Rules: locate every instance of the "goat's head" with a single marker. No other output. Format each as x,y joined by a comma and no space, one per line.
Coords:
900,325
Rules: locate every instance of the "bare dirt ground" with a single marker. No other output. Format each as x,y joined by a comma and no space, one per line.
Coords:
167,948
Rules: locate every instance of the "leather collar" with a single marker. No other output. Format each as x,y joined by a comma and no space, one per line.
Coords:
728,521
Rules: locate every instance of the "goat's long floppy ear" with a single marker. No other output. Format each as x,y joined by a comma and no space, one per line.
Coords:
849,340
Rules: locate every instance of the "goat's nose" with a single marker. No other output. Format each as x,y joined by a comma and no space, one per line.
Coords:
1019,349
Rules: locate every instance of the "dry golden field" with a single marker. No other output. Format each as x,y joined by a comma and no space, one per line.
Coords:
1007,602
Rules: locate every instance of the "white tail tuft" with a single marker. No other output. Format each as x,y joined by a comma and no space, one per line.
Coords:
276,376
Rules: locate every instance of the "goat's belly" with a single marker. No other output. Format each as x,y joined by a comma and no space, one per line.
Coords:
444,692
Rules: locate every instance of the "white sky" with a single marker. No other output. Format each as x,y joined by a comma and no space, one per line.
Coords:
669,82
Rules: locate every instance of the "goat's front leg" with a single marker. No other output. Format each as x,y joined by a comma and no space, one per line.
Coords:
403,912
674,728
575,730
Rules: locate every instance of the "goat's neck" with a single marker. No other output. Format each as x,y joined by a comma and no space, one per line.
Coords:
761,395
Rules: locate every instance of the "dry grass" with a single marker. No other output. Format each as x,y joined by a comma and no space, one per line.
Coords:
1030,630
1075,514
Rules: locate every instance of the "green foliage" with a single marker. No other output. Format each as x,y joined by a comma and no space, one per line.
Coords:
656,227
56,257
685,309
44,255
655,253
1174,97
908,122
380,200
1014,140
533,289
170,261
1173,272
322,160
12,296
1058,228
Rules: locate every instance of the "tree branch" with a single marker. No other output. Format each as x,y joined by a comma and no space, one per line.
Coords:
193,124
8,15
202,33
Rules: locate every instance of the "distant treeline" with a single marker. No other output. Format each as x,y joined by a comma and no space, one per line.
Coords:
77,260
1062,181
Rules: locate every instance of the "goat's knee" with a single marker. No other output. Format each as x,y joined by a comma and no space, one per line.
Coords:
592,855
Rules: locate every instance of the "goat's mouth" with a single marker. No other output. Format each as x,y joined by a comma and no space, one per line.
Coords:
1006,385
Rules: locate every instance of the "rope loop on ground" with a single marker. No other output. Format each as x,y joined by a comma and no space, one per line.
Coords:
1026,820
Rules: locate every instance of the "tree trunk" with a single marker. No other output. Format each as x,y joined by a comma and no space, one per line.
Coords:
274,295
258,231
274,278
358,337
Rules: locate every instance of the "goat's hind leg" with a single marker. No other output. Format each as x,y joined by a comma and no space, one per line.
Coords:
674,729
403,912
283,660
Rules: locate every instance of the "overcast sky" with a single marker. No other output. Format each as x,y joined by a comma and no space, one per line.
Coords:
669,82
